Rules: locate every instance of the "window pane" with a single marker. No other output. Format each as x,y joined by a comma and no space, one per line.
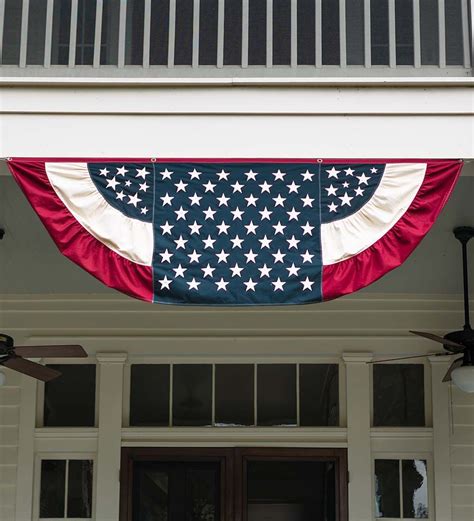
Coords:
183,50
52,488
276,394
110,32
404,31
355,32
61,32
415,489
192,394
429,32
387,488
208,32
79,492
69,400
135,31
233,33
234,394
160,12
330,29
291,490
379,32
454,41
36,32
203,489
306,32
257,32
149,395
399,397
12,32
319,395
86,11
281,32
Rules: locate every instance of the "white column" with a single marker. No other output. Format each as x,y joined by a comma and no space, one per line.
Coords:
109,437
358,435
441,438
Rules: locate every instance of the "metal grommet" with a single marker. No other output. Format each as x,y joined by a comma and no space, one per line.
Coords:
153,159
319,160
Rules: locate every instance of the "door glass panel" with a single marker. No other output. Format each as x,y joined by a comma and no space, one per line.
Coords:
387,488
415,489
291,490
79,498
52,488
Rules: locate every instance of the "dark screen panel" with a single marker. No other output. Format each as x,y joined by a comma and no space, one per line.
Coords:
454,37
404,32
11,32
79,491
52,488
379,32
86,11
281,32
276,394
159,32
208,32
387,488
183,47
135,32
61,33
110,32
233,33
257,32
36,32
306,32
330,32
234,395
355,32
149,395
192,394
319,395
429,32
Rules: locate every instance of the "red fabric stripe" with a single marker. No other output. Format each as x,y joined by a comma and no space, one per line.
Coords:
395,246
74,241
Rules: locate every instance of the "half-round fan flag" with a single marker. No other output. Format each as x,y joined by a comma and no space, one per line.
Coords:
236,231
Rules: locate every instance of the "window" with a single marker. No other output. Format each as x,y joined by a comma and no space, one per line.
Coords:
66,489
276,394
401,489
235,403
319,395
69,400
398,395
150,408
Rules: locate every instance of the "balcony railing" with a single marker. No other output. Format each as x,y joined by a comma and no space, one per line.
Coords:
205,38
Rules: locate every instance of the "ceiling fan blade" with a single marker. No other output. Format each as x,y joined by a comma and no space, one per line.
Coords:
59,351
438,338
38,371
407,357
452,367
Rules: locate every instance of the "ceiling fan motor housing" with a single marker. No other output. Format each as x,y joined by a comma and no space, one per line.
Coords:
6,345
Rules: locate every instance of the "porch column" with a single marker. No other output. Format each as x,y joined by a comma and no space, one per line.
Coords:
441,438
358,435
109,436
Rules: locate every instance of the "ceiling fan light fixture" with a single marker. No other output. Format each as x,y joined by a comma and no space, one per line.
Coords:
463,378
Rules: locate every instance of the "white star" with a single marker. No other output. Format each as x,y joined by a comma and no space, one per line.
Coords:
265,213
194,256
346,200
236,242
166,256
307,284
195,199
307,201
293,187
181,213
209,187
104,172
293,242
359,191
121,171
265,242
223,227
237,213
223,200
332,207
251,227
193,284
293,270
133,199
278,256
293,214
350,172
363,179
120,195
237,187
209,213
251,200
278,284
112,183
208,271
166,199
144,210
307,257
128,183
141,172
251,175
166,174
194,174
345,184
265,187
331,190
307,229
250,285
279,227
373,170
236,270
307,176
180,187
166,228
222,256
223,175
165,283
179,271
222,284
333,173
251,256
279,175
279,200
195,227
209,242
264,271
180,243
144,187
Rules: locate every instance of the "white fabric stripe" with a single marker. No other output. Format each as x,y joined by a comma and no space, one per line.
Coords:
129,238
343,239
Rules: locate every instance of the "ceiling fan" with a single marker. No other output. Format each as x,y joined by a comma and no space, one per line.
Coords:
12,356
461,342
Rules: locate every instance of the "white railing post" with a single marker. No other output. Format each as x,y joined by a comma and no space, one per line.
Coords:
196,17
122,34
24,32
98,32
294,33
48,33
171,33
220,33
442,34
245,34
392,34
318,34
146,34
73,33
367,35
2,23
416,34
465,33
269,61
342,34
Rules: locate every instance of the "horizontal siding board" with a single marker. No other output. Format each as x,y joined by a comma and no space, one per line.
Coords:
461,398
8,456
463,513
7,495
8,435
7,512
463,415
9,415
462,474
463,495
463,435
462,455
9,396
7,475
